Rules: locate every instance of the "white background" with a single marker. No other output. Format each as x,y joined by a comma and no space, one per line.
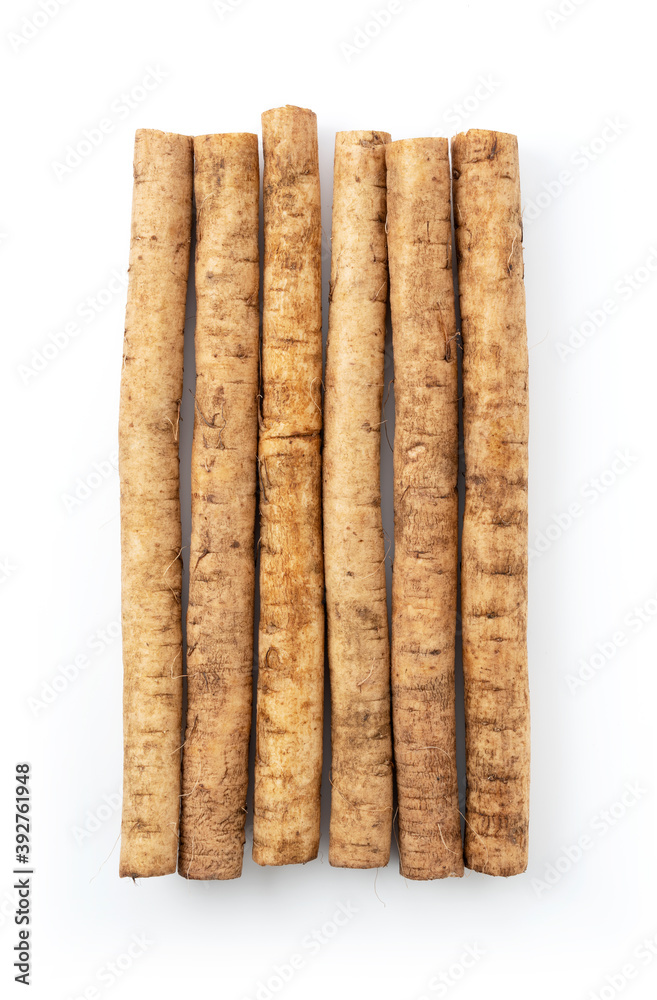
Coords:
566,925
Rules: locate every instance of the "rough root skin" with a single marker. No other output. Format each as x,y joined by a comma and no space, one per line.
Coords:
354,550
291,632
224,454
151,388
488,222
426,507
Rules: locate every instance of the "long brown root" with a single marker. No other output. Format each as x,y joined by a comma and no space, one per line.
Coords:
151,388
354,553
291,636
494,551
426,507
222,564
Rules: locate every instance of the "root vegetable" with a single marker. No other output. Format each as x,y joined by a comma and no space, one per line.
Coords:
426,507
222,564
494,552
151,388
354,553
291,632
